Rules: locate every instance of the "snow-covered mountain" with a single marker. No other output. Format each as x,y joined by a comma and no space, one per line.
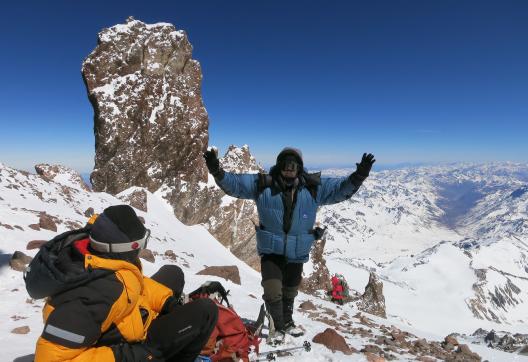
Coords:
450,242
428,284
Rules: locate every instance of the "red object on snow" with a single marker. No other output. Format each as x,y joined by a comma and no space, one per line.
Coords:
337,289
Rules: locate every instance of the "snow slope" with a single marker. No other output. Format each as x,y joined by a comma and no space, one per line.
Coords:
23,197
450,243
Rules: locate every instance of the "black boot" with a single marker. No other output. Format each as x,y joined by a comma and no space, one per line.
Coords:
289,325
275,310
287,310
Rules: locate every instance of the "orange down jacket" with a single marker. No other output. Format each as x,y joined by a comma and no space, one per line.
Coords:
87,322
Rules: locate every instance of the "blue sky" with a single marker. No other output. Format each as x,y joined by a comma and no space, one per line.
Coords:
411,81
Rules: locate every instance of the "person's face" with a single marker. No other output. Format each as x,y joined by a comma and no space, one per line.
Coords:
290,168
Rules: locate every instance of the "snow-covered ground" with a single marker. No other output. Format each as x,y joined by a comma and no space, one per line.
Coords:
426,283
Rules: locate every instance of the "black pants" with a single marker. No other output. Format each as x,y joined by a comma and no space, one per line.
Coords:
280,279
181,333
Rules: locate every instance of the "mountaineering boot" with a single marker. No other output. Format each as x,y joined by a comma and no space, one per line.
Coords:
289,325
276,334
293,330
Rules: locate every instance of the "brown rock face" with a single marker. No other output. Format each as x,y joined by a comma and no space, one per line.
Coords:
231,221
150,121
320,277
333,341
228,272
136,198
372,301
151,129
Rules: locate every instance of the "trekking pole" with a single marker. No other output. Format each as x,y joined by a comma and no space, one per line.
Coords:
270,355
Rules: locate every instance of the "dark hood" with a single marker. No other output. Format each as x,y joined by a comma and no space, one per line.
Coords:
59,267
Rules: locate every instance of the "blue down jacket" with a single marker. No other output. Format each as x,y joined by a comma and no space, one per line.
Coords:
271,238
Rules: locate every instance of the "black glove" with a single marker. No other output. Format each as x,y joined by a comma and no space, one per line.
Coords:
170,304
136,352
213,164
208,288
363,168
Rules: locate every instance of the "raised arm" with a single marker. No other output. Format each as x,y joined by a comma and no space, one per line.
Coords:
242,186
335,190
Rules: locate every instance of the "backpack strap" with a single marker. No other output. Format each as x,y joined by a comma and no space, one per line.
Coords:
264,181
310,180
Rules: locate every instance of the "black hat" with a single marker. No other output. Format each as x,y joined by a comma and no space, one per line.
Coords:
118,230
290,151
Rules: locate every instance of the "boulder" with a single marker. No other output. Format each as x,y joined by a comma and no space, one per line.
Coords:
147,255
19,261
35,244
21,330
46,222
228,272
333,341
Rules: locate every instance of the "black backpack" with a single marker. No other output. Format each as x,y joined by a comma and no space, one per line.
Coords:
44,279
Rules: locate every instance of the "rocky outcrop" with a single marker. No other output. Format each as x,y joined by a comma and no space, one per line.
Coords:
320,277
231,221
490,301
151,129
150,123
228,272
135,197
372,301
62,175
504,341
381,342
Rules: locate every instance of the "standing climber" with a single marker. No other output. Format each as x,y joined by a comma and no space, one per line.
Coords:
287,200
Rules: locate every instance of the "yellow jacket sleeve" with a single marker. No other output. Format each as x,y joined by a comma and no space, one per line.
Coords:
156,294
51,352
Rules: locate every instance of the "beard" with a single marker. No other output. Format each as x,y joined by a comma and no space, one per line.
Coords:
289,177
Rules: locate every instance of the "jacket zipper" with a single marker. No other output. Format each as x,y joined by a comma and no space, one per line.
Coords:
286,234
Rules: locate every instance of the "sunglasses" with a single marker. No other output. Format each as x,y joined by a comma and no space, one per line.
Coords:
144,241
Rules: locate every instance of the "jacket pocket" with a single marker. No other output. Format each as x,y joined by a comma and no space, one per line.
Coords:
264,242
303,246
